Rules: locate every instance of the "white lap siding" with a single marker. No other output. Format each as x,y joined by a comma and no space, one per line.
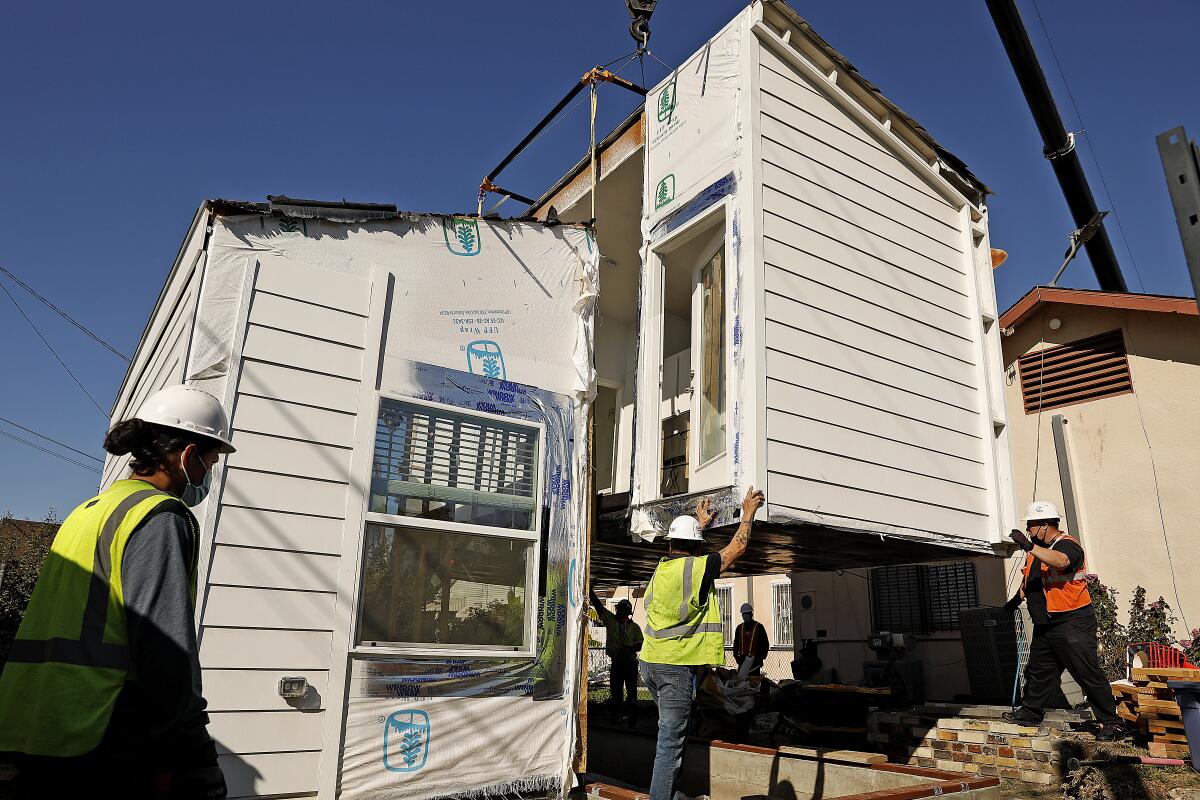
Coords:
873,405
272,582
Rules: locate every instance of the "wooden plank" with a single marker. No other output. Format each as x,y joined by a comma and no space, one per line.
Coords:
880,287
275,382
848,200
844,318
258,689
781,136
1164,750
322,287
266,731
841,470
852,413
781,219
1165,674
844,756
825,435
273,569
824,378
303,352
277,531
273,311
234,648
860,358
872,506
283,493
260,415
291,457
246,607
270,774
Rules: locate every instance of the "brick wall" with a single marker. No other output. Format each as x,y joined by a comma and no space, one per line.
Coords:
975,745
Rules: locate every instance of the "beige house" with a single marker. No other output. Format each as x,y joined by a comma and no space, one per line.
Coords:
1102,394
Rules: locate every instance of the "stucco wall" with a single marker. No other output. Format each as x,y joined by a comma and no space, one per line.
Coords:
1111,452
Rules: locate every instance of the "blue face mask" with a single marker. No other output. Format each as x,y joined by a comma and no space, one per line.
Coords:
194,493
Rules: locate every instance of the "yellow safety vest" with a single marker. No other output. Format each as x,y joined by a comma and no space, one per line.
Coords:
681,626
70,659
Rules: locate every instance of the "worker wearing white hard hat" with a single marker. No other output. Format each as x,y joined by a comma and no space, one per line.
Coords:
750,643
101,692
683,628
1054,584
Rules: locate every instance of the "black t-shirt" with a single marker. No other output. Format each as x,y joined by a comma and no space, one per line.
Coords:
712,569
1035,593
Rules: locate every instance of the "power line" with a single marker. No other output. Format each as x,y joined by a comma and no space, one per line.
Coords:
1091,147
52,350
48,451
49,439
66,316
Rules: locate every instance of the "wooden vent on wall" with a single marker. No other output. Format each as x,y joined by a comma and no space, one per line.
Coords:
1075,372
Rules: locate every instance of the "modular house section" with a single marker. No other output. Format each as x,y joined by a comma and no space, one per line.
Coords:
394,553
804,275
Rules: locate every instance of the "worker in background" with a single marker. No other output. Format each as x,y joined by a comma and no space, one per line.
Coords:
622,643
750,642
1064,623
101,695
683,629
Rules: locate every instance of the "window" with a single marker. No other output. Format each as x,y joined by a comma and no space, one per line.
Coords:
781,612
1088,369
922,598
712,354
451,543
725,598
674,455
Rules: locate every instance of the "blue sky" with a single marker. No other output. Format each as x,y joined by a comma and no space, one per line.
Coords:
120,118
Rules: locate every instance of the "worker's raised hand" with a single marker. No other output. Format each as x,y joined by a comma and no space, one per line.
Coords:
1021,539
704,512
752,503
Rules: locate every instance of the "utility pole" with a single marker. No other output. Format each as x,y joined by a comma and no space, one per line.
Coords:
1059,145
1181,167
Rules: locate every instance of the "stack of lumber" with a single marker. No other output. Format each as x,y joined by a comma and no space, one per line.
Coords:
1147,703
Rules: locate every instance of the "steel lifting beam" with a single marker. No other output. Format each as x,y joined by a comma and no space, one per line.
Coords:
592,76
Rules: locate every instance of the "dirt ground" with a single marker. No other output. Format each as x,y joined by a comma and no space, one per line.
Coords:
1113,781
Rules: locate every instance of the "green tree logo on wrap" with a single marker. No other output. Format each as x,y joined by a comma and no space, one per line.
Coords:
462,236
666,102
665,192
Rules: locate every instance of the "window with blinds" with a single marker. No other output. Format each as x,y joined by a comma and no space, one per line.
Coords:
781,612
1077,372
442,463
922,598
451,543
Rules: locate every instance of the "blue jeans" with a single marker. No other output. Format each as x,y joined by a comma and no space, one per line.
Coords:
672,687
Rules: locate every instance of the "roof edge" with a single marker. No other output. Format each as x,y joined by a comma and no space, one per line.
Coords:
1129,301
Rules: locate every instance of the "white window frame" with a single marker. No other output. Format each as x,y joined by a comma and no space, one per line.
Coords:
776,639
532,567
716,473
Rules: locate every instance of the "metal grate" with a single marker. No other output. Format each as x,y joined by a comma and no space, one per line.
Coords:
725,598
922,598
781,602
444,464
1077,372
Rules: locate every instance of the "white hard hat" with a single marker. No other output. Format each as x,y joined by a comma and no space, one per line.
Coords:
1041,510
747,608
685,528
188,409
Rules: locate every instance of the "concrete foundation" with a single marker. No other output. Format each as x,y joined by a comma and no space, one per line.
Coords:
620,763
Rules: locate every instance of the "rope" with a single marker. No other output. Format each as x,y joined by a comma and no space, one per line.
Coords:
1091,147
1157,495
592,148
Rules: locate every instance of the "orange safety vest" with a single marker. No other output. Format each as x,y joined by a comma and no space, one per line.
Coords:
1065,591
